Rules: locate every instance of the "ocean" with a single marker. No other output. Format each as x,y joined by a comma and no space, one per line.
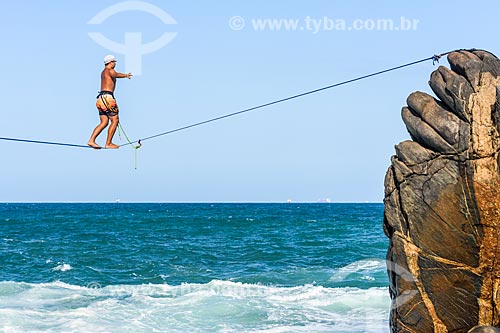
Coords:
159,267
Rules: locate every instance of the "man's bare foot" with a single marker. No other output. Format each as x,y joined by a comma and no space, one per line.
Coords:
94,145
112,146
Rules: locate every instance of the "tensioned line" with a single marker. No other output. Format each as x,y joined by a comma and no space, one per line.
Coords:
434,58
46,142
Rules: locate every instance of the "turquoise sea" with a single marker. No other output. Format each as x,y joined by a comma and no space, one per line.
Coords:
123,267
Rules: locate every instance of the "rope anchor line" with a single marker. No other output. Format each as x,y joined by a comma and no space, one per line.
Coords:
435,59
139,144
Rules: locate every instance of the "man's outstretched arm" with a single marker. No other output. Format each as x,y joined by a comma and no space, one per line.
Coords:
117,75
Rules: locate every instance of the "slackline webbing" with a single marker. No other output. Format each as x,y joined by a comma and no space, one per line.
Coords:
434,58
46,142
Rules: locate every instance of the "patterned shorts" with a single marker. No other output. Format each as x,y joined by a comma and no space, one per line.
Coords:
106,104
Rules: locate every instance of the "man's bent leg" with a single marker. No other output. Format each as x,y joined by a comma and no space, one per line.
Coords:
111,132
102,125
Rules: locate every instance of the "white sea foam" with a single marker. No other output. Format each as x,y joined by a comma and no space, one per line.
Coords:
364,266
217,306
62,267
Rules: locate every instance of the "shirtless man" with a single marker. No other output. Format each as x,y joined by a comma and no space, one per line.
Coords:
106,103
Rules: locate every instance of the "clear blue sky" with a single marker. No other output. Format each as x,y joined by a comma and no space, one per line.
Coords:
335,144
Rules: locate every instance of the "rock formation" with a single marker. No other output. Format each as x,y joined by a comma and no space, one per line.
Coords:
484,329
442,202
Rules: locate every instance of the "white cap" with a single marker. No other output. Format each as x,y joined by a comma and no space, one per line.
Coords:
109,58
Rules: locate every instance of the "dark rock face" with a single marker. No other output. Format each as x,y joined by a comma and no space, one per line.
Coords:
442,202
484,329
